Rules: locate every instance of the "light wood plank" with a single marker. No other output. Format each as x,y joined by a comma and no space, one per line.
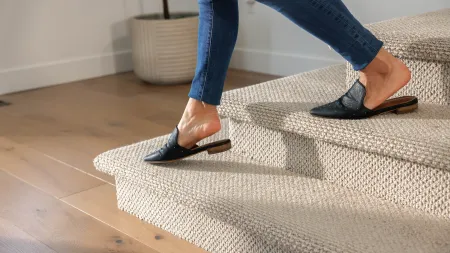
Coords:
240,78
78,151
101,203
58,225
14,240
55,178
111,117
59,141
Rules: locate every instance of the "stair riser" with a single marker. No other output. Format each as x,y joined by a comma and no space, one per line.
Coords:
196,227
430,81
406,183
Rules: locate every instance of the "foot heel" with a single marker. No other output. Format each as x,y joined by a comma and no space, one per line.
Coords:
219,149
406,109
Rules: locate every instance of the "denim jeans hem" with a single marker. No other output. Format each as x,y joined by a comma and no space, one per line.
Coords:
206,99
369,58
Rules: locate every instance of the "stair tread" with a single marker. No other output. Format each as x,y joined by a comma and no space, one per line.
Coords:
284,208
425,36
422,137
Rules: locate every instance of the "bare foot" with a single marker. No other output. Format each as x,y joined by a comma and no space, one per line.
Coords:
383,77
200,120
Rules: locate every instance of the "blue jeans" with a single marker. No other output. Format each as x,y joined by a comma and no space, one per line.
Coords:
328,20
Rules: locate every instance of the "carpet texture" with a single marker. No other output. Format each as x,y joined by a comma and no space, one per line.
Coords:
421,137
423,43
271,209
188,223
406,183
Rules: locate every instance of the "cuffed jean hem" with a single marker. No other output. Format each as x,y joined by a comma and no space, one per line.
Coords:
369,57
211,100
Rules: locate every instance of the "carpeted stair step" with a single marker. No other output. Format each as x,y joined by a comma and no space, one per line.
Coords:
401,158
229,203
423,43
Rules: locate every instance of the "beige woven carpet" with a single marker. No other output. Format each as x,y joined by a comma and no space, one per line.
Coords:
421,137
423,43
269,209
425,36
399,181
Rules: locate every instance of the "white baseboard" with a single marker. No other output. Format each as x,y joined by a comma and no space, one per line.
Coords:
277,63
53,73
47,74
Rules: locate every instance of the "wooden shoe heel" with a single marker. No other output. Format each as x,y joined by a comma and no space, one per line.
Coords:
406,109
219,149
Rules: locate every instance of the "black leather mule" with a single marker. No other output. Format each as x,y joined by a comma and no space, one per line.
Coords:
172,152
351,105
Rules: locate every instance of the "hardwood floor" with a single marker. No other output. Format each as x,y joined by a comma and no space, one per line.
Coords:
52,199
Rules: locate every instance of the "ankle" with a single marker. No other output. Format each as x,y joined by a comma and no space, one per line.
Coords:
385,67
194,107
198,111
199,120
383,64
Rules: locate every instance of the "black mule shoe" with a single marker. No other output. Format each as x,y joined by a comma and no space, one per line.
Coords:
351,105
172,152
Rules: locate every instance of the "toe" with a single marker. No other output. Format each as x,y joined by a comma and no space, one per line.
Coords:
328,110
153,157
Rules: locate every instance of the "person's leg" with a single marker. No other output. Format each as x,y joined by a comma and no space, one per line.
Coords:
217,37
332,22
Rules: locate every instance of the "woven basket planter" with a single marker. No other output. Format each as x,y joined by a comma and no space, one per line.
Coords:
165,51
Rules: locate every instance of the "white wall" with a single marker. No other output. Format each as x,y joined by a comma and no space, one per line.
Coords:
49,42
270,43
